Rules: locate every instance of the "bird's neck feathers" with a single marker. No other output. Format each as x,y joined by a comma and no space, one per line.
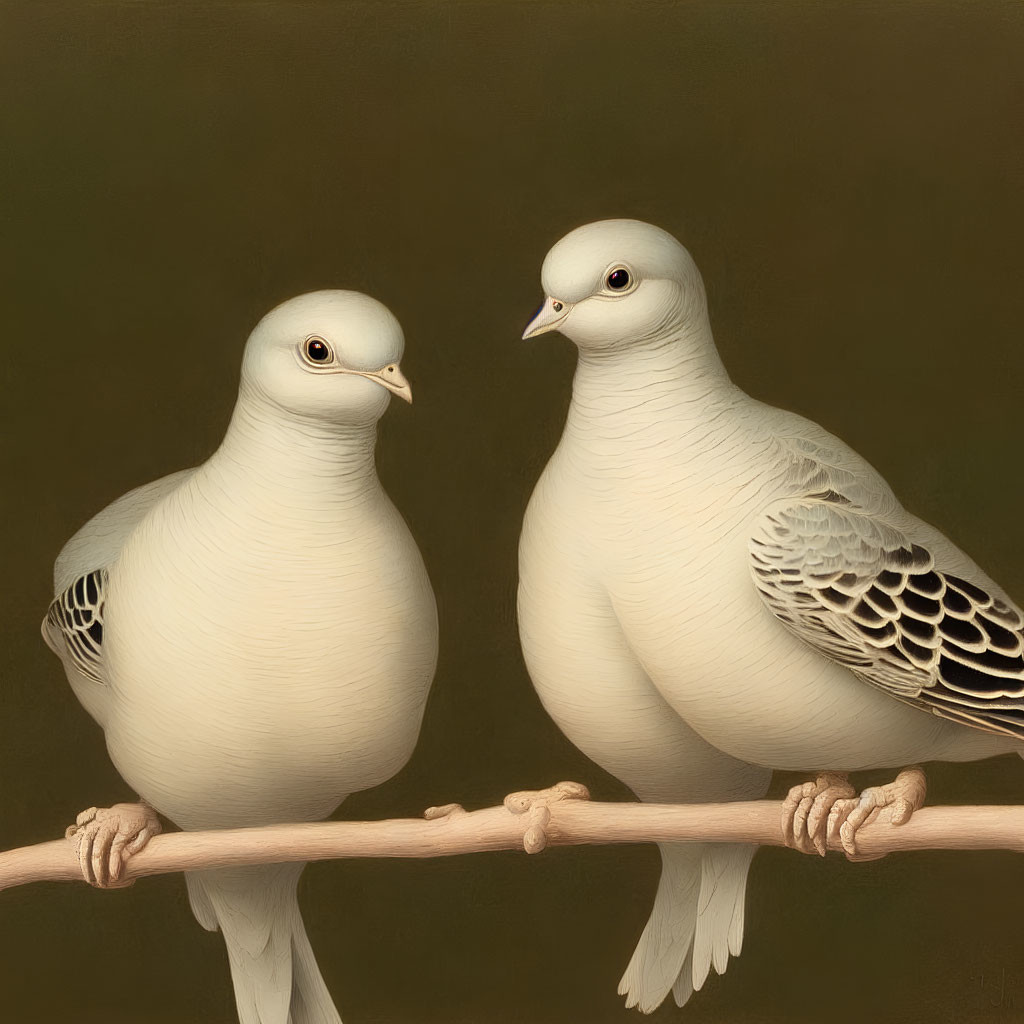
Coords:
675,374
303,458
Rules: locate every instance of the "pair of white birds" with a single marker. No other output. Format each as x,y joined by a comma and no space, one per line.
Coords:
710,589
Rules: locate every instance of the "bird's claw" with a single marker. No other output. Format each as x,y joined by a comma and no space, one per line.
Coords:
535,805
807,808
894,803
106,837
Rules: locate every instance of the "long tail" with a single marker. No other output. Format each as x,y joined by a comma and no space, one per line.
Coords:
696,923
274,972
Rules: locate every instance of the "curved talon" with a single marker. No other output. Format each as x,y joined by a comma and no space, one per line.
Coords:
536,805
105,838
893,803
444,811
817,818
84,817
806,809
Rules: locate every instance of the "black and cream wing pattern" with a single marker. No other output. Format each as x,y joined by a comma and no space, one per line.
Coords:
855,586
75,617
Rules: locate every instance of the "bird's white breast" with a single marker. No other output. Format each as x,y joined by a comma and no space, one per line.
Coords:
268,658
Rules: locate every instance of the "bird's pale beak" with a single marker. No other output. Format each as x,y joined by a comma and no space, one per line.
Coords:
391,377
548,317
394,380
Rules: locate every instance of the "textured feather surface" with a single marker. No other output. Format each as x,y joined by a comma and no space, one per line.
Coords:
275,976
719,927
856,587
75,620
100,540
73,624
696,923
662,956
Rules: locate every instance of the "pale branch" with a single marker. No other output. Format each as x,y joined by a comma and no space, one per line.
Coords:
559,817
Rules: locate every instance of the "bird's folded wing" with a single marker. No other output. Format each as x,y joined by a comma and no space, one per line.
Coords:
861,592
76,618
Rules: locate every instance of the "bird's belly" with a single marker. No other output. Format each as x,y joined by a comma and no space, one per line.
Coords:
751,688
239,704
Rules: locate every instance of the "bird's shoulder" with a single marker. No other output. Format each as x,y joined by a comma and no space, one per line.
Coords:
73,625
819,465
815,461
98,543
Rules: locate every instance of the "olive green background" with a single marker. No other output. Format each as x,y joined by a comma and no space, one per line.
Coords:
849,178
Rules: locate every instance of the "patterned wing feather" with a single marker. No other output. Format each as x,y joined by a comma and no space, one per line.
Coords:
76,617
866,596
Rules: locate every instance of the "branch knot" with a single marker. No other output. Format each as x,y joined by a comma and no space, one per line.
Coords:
535,805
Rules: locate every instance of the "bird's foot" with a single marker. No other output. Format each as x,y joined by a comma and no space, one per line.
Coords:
893,803
806,811
535,805
106,837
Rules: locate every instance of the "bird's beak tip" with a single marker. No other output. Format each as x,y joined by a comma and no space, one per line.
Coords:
392,378
547,318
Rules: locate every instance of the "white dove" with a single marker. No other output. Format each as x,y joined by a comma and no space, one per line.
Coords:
711,588
257,636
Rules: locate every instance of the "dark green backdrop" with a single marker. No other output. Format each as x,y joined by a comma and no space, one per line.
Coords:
849,178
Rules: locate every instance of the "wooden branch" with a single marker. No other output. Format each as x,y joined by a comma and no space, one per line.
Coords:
559,817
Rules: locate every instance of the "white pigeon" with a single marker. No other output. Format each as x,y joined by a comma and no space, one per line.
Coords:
711,588
257,636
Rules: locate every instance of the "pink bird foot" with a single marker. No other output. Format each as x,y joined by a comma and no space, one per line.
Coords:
106,837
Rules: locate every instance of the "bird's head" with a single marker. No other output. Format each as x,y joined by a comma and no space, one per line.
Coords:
617,282
330,355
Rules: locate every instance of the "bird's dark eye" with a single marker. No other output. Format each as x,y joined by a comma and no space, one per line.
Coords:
318,351
618,279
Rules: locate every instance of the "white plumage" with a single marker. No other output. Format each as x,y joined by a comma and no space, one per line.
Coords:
267,631
711,588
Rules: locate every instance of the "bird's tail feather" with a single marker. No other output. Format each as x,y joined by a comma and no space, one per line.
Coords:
696,923
275,975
